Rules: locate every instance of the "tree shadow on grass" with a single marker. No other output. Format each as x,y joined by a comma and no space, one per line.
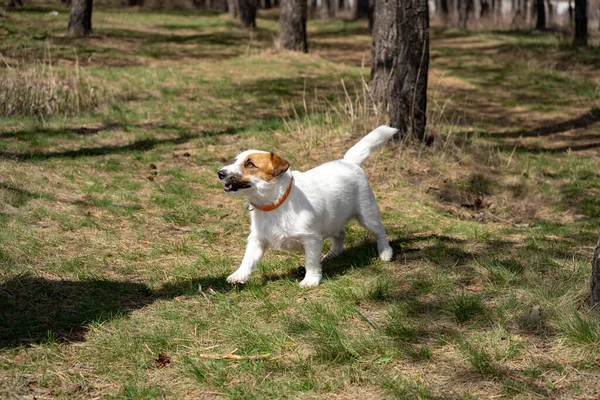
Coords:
139,145
35,310
582,121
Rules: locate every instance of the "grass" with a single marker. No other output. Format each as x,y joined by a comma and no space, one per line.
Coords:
116,238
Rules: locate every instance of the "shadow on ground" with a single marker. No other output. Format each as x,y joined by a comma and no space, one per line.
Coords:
36,310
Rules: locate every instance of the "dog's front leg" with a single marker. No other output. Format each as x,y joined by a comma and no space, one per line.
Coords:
312,261
254,252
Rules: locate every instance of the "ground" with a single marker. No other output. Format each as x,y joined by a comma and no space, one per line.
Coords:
116,236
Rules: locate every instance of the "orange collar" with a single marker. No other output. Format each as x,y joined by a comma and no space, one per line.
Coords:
279,202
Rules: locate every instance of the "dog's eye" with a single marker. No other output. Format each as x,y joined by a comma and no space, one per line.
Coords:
250,164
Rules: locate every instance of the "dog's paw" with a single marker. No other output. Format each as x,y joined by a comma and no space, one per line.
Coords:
386,254
237,277
330,254
310,281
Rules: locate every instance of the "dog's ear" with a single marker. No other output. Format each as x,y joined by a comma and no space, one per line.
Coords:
279,164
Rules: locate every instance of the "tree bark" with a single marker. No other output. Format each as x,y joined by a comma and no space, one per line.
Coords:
541,15
327,9
463,13
80,20
292,25
581,22
247,9
400,63
595,278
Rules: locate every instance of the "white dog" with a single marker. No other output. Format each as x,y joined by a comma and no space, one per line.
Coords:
293,209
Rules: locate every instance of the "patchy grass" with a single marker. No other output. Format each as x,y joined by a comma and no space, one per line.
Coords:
116,238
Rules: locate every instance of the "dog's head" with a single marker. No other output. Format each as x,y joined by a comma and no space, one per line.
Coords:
252,169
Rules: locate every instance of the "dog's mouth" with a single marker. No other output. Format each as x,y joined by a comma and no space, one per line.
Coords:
234,186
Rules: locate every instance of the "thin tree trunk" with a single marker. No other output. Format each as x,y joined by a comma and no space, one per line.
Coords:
444,11
312,8
463,13
581,21
361,9
485,9
292,25
571,17
400,63
327,9
595,278
80,20
541,15
550,8
247,10
232,8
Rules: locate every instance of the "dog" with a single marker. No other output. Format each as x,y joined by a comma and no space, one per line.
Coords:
297,210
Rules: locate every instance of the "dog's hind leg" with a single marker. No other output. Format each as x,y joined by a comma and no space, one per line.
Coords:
368,216
312,261
337,245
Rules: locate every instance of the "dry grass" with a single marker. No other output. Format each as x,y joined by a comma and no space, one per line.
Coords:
43,91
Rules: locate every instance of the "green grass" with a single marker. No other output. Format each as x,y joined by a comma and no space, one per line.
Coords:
116,237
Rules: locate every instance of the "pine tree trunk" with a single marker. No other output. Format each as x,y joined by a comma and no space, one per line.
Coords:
463,13
247,10
232,8
581,21
541,15
361,9
80,20
400,63
327,9
595,278
444,11
292,25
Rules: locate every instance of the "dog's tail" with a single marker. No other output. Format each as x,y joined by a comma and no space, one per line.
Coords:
362,150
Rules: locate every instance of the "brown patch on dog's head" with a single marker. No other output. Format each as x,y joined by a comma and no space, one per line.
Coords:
266,166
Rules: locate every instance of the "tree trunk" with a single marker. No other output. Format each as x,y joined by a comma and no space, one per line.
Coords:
570,14
312,8
595,278
80,20
485,9
267,4
361,9
463,13
550,8
292,25
232,8
444,11
400,63
541,15
581,20
247,10
327,9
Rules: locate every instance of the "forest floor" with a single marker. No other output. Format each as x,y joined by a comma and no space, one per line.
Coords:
116,236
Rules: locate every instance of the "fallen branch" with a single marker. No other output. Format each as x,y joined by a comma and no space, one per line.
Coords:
231,356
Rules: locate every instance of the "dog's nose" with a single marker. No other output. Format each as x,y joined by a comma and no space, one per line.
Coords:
222,174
